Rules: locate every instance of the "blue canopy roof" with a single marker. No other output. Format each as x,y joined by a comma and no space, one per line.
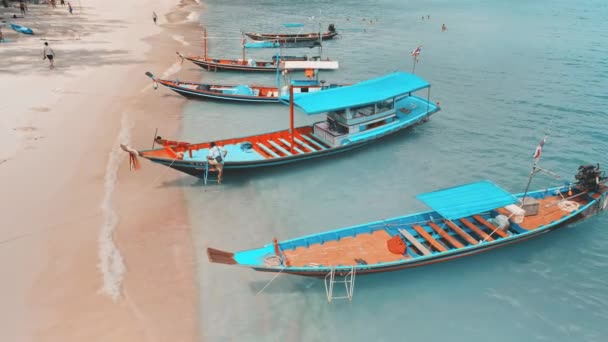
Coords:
359,94
466,200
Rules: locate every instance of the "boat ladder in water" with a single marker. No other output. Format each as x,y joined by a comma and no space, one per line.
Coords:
348,280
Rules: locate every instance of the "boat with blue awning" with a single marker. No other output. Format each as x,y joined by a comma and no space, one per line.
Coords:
463,220
356,115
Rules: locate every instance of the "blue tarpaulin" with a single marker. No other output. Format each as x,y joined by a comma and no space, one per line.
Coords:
359,94
466,200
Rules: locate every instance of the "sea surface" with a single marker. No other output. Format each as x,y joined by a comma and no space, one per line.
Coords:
506,74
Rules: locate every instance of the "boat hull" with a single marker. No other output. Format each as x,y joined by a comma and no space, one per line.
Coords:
306,37
588,211
197,168
437,259
213,66
201,95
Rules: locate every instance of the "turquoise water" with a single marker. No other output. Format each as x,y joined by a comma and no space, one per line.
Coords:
506,73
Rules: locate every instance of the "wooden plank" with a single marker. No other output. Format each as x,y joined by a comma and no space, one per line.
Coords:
425,235
289,145
280,148
311,149
311,140
461,232
261,152
492,228
476,229
414,242
445,235
267,150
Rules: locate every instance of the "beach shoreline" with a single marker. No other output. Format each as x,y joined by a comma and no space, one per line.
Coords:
94,251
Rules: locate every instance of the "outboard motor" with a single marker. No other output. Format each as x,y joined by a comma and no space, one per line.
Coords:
331,28
590,177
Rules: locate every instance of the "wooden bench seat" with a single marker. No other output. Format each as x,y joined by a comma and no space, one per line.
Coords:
414,242
493,228
476,229
445,235
425,235
461,232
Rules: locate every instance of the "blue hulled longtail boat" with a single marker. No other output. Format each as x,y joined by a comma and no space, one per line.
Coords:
244,63
250,93
356,115
464,220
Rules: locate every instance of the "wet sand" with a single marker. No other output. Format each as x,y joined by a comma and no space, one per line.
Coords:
91,251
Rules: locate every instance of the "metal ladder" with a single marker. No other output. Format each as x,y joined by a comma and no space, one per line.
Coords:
206,175
348,280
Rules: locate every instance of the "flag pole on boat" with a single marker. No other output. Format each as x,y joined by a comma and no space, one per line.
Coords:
415,55
205,42
535,169
291,129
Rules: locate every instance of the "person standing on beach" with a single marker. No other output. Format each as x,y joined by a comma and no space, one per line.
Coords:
70,8
22,7
154,17
48,53
62,2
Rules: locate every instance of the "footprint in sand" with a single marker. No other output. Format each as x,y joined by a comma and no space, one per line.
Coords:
25,129
41,109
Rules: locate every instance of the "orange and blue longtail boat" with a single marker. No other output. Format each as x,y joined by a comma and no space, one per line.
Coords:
356,115
464,220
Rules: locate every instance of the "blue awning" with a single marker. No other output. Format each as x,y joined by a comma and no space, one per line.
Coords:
466,200
359,94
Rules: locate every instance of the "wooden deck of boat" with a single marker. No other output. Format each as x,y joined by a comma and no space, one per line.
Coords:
422,239
348,251
269,146
548,211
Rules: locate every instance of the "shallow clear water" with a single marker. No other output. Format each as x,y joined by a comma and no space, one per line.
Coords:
506,73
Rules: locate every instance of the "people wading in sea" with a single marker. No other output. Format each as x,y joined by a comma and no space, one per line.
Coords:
49,54
443,28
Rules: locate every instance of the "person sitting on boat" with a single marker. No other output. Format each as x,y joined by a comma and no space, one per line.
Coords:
216,157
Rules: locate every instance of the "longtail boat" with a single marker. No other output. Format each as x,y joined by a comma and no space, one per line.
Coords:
357,115
250,93
295,38
464,220
242,64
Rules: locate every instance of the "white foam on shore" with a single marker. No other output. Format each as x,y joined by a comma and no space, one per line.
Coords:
174,68
180,39
193,17
111,263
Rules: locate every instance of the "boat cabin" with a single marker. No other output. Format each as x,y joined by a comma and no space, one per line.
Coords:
361,111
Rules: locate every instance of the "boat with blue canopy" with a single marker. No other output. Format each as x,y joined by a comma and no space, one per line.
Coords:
463,220
356,115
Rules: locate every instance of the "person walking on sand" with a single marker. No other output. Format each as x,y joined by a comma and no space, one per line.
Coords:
216,157
62,3
48,53
22,7
70,8
154,17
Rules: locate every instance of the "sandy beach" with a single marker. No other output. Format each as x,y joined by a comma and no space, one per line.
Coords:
89,250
